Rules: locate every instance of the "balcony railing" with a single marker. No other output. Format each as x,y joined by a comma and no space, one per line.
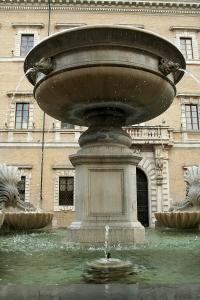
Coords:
150,134
139,134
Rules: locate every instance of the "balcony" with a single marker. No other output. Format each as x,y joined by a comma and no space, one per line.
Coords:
143,135
151,135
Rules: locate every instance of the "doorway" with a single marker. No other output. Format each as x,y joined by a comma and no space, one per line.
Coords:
142,198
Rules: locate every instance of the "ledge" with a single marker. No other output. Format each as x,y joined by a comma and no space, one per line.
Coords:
68,25
19,93
193,62
20,24
21,166
185,5
12,59
132,25
188,95
62,167
191,28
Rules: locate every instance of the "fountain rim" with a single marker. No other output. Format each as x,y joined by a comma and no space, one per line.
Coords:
50,47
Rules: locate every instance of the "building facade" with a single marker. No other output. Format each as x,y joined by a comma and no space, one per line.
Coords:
40,145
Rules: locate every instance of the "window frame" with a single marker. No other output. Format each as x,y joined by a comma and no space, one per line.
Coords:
184,33
22,115
186,99
23,31
185,50
61,171
191,117
27,48
23,179
70,192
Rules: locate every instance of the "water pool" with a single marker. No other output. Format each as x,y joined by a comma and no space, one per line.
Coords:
168,257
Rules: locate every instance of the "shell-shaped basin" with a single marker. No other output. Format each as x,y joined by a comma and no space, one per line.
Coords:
179,219
27,220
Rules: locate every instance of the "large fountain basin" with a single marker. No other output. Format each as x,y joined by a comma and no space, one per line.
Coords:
27,220
104,67
180,219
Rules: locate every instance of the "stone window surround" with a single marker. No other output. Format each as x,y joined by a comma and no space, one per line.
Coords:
61,171
187,32
188,99
25,28
27,174
20,98
25,170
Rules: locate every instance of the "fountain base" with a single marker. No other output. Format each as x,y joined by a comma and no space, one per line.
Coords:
117,235
108,270
106,194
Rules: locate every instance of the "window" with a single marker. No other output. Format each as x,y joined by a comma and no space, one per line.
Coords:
22,115
66,191
186,39
21,188
27,43
191,114
186,47
66,125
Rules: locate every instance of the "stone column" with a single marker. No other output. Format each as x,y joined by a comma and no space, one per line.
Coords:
105,169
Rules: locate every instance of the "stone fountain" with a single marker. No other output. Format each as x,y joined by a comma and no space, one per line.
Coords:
15,213
185,214
108,269
105,77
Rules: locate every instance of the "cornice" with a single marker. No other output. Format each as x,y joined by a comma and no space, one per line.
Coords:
68,25
19,93
21,24
140,6
180,95
189,28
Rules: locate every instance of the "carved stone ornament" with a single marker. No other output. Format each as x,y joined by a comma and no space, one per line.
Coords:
167,66
159,164
45,66
192,200
9,195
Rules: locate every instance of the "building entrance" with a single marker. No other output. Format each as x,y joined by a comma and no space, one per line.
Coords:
142,198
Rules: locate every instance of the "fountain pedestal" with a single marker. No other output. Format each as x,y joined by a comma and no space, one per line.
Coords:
106,186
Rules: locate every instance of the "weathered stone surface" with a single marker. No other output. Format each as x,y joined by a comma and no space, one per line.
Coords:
15,213
179,219
100,292
27,220
108,270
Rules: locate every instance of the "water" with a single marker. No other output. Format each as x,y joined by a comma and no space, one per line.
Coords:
106,241
48,258
191,75
20,81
